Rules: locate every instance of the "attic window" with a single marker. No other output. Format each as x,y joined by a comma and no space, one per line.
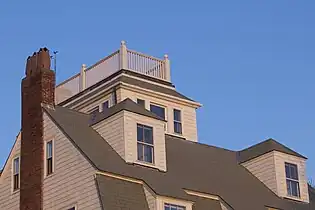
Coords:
292,179
141,102
49,158
145,143
177,121
105,105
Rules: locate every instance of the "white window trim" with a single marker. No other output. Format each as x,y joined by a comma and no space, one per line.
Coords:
12,174
173,120
144,143
53,157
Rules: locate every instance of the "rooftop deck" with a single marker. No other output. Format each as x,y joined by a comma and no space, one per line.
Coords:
121,59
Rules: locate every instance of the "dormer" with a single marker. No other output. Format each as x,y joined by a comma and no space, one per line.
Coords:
135,133
281,169
129,74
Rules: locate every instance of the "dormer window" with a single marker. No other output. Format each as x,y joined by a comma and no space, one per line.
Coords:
49,158
159,111
141,102
292,180
145,143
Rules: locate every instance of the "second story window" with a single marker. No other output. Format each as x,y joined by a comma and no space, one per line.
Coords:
49,157
177,121
168,206
292,180
16,173
159,111
145,143
141,102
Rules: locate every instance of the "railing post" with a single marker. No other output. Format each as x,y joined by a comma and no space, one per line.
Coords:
167,68
83,77
123,59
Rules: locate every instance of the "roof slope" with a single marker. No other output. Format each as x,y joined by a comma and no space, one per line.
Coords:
217,171
263,148
128,105
206,204
116,194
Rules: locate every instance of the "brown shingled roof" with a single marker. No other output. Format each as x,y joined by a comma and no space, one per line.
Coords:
190,165
263,148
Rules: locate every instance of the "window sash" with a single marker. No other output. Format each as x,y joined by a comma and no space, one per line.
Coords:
49,166
16,166
158,110
49,150
168,206
16,181
143,154
293,188
105,105
291,171
178,127
177,115
144,134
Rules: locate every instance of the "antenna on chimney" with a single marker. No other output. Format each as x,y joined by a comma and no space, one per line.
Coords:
55,61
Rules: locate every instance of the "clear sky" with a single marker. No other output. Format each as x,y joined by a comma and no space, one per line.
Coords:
250,63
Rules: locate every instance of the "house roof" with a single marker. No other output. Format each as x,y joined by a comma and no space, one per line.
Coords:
129,80
217,171
127,105
263,148
206,204
116,194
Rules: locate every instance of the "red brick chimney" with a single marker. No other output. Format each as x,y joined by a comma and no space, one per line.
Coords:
38,87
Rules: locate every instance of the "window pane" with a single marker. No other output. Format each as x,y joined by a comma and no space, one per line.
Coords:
178,127
141,102
148,154
166,207
140,151
105,105
49,166
49,149
16,182
140,133
293,188
148,135
177,115
159,111
16,165
287,170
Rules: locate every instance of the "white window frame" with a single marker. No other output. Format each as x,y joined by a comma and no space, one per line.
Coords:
147,144
181,121
293,180
52,140
13,174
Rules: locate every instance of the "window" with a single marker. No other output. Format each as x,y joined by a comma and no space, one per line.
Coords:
16,173
292,179
168,206
177,121
105,105
72,208
145,143
49,158
141,102
159,111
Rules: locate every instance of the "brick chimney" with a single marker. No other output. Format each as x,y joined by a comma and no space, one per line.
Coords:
38,87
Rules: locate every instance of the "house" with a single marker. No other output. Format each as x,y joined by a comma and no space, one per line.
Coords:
118,135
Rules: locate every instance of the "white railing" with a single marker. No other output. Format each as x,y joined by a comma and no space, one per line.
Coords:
145,64
121,59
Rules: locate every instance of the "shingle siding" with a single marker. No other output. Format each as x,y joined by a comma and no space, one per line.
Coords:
73,179
112,130
9,200
263,168
150,197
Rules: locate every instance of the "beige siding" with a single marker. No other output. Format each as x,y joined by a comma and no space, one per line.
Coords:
151,199
130,130
189,122
280,159
72,182
263,167
112,130
8,199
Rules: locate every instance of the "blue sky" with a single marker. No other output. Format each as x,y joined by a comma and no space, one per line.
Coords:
250,63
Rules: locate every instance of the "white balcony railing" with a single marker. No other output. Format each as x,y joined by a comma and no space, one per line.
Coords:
121,59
